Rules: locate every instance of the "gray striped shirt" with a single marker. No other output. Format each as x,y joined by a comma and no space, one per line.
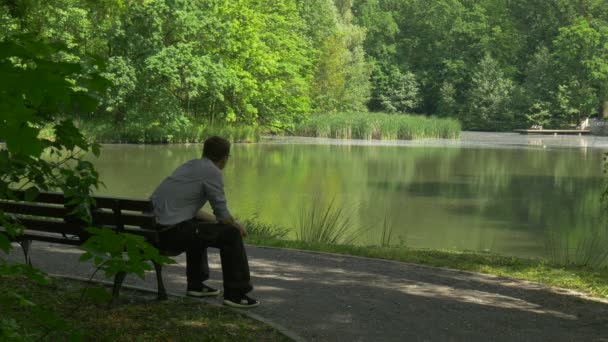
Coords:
187,189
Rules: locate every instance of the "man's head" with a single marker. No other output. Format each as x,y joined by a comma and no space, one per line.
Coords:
217,149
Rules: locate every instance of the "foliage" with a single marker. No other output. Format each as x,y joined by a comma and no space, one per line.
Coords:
488,98
38,90
394,91
555,50
114,252
42,88
271,64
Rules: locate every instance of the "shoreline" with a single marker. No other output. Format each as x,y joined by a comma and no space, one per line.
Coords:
467,139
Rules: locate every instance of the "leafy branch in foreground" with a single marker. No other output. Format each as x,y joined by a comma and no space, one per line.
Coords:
116,252
39,89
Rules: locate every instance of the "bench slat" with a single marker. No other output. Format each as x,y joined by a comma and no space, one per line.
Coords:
33,209
36,236
43,197
51,226
131,219
123,204
100,201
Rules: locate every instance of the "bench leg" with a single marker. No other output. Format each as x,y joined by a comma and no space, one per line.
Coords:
118,279
162,293
25,246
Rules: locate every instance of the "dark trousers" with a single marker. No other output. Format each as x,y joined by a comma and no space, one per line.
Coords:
194,236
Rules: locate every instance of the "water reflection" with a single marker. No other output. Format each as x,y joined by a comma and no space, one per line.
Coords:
490,193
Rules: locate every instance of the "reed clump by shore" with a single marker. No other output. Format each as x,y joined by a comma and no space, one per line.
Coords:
377,126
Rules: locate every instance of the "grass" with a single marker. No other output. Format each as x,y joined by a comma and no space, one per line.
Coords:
588,249
143,319
387,231
586,279
377,126
329,224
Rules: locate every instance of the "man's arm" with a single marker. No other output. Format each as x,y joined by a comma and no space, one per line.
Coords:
214,189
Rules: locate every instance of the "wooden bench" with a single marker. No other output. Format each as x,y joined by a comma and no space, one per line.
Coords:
47,218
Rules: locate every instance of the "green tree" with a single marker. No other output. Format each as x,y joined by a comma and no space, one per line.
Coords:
488,98
342,79
581,62
394,91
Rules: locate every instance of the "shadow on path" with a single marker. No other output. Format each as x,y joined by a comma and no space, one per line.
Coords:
338,298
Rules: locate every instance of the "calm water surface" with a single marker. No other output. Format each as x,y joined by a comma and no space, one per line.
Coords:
504,193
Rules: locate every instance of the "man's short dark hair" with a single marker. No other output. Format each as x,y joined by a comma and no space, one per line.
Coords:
216,148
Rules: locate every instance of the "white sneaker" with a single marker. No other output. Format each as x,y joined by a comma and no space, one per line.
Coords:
243,301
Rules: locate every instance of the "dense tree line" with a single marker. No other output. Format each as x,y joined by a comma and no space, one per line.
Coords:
492,64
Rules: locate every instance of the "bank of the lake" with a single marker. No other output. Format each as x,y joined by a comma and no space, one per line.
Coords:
366,126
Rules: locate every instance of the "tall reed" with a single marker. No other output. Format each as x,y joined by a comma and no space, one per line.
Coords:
587,250
377,126
327,224
263,231
387,231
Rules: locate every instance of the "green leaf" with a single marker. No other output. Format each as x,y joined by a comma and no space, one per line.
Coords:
22,139
98,260
69,136
5,244
85,256
96,149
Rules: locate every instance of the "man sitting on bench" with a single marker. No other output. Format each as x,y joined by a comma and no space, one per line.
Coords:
177,205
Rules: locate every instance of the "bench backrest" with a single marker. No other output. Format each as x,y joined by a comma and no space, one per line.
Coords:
48,212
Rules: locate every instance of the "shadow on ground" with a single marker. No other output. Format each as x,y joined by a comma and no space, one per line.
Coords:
339,298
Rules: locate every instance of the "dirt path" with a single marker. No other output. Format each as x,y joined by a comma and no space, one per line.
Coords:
338,298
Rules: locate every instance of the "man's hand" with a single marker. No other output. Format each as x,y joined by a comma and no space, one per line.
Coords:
241,228
237,224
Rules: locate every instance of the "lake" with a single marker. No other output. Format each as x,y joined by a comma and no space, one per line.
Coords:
505,193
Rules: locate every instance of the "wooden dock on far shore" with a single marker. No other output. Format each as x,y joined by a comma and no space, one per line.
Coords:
553,131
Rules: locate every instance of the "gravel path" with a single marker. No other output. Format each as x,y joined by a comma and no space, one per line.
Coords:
325,297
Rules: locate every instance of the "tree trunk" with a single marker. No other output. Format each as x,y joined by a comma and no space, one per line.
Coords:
605,110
